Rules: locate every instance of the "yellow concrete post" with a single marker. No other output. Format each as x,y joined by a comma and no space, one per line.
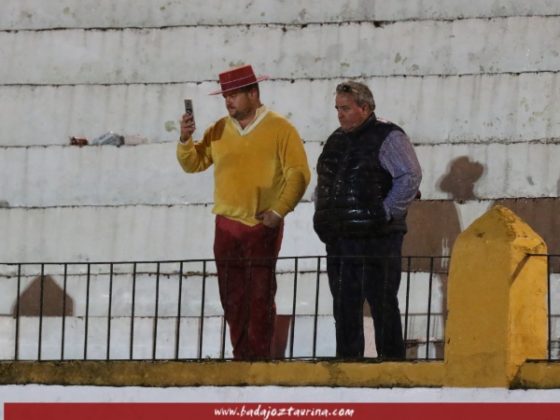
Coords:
497,301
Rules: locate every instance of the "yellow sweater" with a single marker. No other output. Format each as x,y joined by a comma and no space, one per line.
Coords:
263,168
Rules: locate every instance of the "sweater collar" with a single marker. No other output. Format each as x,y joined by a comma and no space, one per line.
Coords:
259,115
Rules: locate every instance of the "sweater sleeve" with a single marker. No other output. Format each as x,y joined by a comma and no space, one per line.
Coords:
195,157
295,170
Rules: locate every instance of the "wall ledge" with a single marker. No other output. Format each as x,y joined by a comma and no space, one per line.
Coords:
224,373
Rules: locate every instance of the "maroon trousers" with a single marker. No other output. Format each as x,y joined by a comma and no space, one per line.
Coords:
246,261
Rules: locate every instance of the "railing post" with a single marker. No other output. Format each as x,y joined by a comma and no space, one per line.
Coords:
41,302
18,297
497,305
64,290
178,323
109,311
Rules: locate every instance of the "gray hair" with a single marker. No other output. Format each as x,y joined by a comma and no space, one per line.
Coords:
359,92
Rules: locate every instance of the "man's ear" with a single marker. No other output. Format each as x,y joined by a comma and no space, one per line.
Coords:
253,93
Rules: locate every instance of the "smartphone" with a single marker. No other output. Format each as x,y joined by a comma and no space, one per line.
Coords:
189,107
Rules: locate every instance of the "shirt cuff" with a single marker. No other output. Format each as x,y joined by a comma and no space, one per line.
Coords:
387,213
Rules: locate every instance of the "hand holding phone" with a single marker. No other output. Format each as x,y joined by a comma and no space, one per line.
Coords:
187,122
189,107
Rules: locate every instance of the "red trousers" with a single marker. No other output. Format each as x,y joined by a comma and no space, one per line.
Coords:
246,261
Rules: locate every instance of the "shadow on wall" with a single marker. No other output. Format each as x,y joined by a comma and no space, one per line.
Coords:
53,300
433,225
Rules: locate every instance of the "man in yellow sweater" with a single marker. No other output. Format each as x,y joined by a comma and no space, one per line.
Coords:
260,174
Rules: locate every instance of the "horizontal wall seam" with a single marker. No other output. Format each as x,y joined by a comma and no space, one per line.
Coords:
415,142
294,79
207,204
294,25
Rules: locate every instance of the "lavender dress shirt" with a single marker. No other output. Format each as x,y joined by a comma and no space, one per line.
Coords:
397,156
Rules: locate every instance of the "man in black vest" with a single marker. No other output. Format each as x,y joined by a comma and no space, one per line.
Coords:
368,174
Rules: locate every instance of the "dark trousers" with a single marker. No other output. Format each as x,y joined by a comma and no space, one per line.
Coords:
246,261
366,269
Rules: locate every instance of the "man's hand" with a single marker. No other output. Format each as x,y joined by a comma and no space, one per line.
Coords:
187,127
269,218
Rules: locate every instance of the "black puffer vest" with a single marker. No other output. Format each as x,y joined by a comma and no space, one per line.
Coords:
352,184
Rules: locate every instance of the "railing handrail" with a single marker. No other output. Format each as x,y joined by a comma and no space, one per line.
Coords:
209,259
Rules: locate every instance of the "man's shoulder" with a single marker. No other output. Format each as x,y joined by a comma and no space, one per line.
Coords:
277,118
336,133
279,122
215,130
220,122
387,125
337,139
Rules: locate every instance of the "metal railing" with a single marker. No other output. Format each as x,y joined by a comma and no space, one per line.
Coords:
170,310
553,303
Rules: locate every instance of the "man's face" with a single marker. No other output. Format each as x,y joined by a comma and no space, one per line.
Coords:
238,104
350,115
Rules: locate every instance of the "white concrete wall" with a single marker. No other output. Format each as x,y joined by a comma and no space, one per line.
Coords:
179,54
40,14
145,233
127,233
149,174
478,79
480,108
